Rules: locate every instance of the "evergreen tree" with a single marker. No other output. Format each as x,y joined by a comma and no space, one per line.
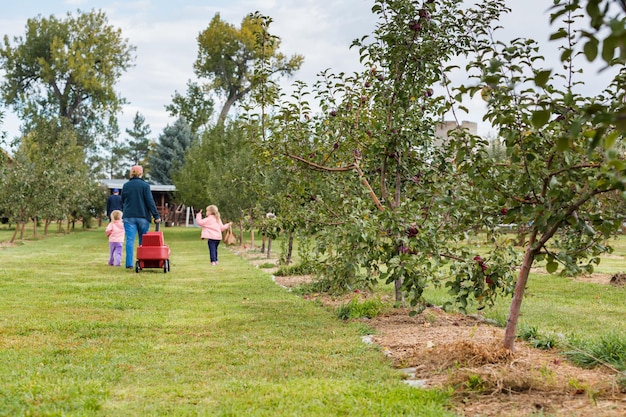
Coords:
139,143
169,155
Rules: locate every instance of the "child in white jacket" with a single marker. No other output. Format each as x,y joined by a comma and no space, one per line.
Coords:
115,232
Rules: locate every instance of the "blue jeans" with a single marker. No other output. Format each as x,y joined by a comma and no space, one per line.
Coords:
133,226
213,244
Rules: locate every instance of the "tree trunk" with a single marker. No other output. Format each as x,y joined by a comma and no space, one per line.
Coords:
399,295
45,227
22,230
35,227
251,231
263,244
518,295
269,246
226,108
17,227
289,248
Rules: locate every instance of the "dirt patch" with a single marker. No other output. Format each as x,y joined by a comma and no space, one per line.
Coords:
465,352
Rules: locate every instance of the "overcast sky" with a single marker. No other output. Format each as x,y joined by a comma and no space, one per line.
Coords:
165,32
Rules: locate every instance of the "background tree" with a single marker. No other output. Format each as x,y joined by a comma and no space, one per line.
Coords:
66,68
17,185
139,145
196,107
2,132
227,56
169,153
221,169
111,158
49,179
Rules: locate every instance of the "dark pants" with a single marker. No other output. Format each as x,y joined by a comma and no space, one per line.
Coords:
213,244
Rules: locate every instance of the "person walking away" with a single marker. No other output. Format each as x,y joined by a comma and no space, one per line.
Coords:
114,202
212,228
115,233
139,210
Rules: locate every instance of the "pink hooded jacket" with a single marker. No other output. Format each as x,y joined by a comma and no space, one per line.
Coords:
211,227
115,231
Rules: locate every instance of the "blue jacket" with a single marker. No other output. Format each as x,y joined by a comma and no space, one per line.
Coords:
138,201
114,202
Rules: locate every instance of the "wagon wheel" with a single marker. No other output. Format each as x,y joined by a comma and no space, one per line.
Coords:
137,267
166,266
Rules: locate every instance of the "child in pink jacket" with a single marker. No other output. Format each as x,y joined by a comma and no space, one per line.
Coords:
212,228
115,232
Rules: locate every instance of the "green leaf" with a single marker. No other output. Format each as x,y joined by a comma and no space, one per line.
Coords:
560,34
567,53
562,144
608,49
610,139
542,77
540,118
551,267
591,49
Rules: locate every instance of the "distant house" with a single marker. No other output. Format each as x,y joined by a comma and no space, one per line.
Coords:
162,193
443,128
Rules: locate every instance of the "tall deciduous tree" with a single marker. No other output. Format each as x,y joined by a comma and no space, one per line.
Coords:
66,68
228,55
169,153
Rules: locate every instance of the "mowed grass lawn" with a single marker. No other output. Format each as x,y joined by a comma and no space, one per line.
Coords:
80,338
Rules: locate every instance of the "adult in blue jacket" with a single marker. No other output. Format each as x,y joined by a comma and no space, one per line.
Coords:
139,209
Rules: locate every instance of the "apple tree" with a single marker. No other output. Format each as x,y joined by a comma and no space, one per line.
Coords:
400,204
563,162
395,206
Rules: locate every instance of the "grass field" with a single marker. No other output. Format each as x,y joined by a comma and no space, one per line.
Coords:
80,338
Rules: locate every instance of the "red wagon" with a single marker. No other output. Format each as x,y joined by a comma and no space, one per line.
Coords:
153,253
